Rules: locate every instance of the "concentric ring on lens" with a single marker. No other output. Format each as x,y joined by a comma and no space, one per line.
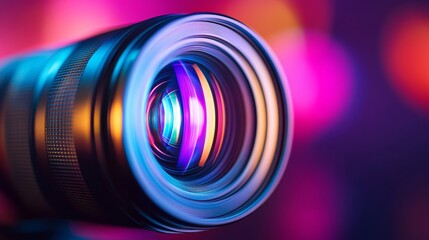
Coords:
257,123
185,118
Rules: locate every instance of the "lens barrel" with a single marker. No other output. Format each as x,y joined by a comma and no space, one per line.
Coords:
179,123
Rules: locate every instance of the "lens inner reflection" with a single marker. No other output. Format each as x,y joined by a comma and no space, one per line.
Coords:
185,118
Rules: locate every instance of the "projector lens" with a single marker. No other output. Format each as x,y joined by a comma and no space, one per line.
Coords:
179,123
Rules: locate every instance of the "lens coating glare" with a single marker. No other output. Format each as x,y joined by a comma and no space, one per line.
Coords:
185,118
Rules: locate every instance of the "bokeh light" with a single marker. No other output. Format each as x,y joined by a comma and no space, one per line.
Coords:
268,19
312,205
412,217
7,211
67,20
320,74
15,35
406,55
136,10
313,14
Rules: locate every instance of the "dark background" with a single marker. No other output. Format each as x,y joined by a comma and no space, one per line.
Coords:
359,77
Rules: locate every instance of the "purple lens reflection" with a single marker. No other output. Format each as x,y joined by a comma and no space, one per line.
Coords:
185,118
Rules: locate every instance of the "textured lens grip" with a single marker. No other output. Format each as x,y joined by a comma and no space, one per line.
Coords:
60,144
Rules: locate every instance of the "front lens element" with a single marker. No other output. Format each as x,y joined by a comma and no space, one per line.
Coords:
206,122
184,120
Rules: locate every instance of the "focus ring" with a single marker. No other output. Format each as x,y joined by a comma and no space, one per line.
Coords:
60,144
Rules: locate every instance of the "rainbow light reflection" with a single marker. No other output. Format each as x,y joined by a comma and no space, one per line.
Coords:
182,117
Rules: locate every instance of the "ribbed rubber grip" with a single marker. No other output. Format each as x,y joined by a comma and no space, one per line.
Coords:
60,143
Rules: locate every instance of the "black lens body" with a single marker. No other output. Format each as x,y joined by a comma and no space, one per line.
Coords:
74,137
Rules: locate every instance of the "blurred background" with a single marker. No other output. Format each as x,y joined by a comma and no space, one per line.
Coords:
359,76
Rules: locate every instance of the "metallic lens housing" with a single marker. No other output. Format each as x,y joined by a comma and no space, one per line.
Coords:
179,123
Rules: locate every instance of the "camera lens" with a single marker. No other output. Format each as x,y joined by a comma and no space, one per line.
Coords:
184,122
179,123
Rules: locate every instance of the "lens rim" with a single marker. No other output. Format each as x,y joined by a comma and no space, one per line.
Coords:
258,58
